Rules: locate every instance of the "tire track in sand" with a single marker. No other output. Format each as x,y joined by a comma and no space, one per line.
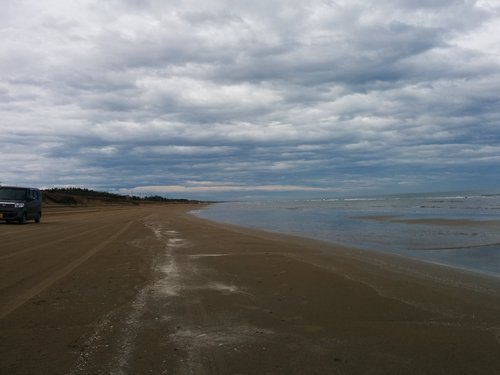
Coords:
47,244
201,339
22,297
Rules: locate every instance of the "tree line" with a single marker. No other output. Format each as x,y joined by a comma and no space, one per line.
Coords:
76,191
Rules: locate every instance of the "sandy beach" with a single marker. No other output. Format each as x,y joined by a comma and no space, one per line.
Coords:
153,289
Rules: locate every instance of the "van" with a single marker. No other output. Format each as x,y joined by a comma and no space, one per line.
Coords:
20,204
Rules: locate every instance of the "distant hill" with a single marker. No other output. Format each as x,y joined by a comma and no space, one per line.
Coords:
75,196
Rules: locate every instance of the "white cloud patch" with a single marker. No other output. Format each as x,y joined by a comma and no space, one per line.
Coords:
207,188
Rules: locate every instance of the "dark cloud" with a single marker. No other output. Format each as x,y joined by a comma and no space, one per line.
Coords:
323,97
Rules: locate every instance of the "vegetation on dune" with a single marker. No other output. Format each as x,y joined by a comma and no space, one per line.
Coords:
78,196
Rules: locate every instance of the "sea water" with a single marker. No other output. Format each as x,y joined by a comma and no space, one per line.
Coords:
394,224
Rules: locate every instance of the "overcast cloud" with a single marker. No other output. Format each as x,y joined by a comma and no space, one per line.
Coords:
224,99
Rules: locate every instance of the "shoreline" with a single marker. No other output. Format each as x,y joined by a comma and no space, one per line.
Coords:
416,254
393,262
156,289
452,297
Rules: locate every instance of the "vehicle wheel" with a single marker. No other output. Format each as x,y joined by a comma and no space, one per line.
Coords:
23,219
38,217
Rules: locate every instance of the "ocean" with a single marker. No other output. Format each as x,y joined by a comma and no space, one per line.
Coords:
460,230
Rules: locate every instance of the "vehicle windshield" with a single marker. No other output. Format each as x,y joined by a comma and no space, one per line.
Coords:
12,194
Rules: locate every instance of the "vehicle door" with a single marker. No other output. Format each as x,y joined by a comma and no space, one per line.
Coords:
32,203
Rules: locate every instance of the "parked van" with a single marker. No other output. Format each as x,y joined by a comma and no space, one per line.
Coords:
20,204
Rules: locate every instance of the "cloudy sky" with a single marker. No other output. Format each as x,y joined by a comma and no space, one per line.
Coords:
238,99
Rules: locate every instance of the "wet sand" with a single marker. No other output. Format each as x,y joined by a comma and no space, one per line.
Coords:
151,289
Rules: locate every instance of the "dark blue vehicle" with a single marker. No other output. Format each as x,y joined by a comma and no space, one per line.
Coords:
20,204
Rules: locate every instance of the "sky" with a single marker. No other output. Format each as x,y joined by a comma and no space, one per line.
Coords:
220,99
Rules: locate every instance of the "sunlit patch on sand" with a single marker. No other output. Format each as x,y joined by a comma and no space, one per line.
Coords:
224,288
169,282
196,256
218,336
92,346
178,277
129,335
95,345
200,341
175,242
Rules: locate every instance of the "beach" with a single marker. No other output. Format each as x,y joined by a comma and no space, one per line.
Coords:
154,289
